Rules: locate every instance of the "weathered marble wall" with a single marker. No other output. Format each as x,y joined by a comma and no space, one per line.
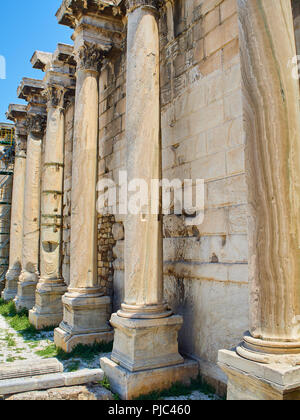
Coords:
205,268
112,145
296,15
206,271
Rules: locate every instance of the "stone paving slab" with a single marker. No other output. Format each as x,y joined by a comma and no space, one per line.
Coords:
56,380
29,368
73,393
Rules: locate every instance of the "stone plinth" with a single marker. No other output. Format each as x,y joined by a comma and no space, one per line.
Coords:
248,380
85,321
137,342
130,385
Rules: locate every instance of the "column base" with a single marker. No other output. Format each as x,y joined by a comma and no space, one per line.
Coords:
131,385
142,344
250,380
2,287
48,309
25,298
270,352
85,321
67,342
11,285
9,294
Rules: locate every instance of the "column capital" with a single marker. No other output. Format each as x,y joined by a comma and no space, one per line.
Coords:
90,57
55,96
94,22
36,123
131,5
18,114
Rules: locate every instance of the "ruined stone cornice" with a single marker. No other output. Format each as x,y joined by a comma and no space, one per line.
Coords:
40,60
59,69
16,112
64,53
71,10
31,91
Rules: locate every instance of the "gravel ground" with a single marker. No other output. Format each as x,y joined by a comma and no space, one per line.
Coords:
13,347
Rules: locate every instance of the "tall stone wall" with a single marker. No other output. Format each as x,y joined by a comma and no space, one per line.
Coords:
206,272
112,97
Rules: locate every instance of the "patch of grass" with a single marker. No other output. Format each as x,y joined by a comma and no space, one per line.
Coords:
73,366
19,321
179,389
11,359
105,384
10,341
81,351
48,352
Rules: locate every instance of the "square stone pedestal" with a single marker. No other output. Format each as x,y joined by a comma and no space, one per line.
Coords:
249,380
85,322
25,298
141,344
130,385
48,309
145,356
11,284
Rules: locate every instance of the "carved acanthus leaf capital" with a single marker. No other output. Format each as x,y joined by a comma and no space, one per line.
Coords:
20,144
36,124
90,57
55,96
134,4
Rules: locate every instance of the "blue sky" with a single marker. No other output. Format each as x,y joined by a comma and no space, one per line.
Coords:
26,26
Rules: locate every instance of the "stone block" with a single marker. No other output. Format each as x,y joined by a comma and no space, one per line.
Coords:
252,381
29,368
130,385
136,342
73,393
55,380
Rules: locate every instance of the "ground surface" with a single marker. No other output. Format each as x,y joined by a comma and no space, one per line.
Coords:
32,345
14,347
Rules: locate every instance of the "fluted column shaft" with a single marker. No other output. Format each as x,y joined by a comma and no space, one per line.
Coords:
31,216
271,107
83,264
86,310
143,239
48,310
144,322
16,229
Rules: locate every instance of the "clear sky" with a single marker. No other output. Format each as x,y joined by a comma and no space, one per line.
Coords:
26,26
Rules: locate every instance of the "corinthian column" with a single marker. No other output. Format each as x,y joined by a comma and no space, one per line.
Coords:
86,310
272,125
16,113
36,122
145,329
48,309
